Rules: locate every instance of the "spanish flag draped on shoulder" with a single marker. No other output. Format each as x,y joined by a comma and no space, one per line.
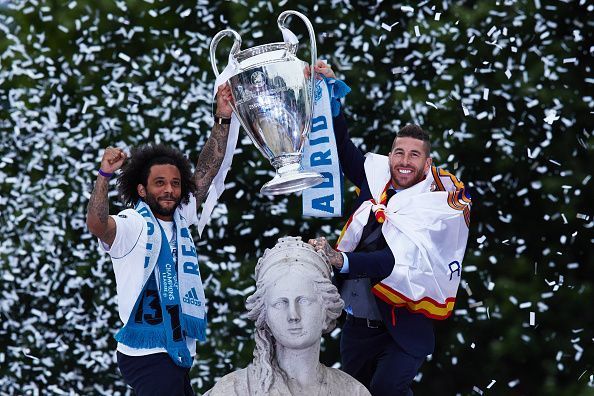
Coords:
426,228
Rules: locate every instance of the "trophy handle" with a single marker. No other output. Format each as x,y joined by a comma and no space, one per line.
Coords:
282,18
215,42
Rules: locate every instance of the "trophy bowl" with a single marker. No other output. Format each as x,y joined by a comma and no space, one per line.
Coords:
272,91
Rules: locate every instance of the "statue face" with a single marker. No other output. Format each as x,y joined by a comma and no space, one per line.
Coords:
294,310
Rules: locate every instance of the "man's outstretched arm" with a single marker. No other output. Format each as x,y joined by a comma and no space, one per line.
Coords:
378,264
98,220
213,152
350,157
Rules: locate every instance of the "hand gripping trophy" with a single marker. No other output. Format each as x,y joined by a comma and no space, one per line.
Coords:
273,100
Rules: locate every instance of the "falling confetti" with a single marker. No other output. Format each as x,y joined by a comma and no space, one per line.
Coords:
505,94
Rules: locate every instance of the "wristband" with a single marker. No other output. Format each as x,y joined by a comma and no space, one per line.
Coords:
222,120
105,174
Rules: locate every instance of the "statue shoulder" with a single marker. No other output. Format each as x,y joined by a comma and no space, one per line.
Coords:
344,384
235,383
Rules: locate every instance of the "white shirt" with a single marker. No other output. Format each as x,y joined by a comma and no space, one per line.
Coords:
127,255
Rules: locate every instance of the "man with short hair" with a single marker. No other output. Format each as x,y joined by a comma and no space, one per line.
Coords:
398,261
160,293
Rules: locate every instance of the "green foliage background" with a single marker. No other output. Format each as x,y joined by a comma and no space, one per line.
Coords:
77,76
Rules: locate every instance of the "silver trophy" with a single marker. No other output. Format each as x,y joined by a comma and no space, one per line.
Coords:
273,94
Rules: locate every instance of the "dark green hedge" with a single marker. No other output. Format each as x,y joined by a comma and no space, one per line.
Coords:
504,88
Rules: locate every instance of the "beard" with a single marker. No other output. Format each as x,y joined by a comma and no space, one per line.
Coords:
409,180
153,203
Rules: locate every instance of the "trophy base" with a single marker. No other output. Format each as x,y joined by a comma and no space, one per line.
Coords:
290,182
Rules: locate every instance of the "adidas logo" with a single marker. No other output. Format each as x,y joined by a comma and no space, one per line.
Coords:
191,297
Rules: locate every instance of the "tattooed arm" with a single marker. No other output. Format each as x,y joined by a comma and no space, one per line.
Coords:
334,258
98,220
213,152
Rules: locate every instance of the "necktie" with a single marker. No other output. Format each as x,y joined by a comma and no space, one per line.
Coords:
372,238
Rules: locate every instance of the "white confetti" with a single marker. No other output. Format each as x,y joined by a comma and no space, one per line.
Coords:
532,103
123,79
124,57
551,117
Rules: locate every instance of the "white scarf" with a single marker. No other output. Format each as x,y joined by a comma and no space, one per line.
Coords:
180,289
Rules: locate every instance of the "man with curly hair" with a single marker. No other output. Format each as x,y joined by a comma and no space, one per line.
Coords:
160,292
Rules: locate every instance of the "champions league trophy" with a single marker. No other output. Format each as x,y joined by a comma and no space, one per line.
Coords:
273,94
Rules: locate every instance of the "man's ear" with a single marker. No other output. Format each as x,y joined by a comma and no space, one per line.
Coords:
141,191
428,163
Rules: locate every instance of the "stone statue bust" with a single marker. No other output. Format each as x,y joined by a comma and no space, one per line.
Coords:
293,305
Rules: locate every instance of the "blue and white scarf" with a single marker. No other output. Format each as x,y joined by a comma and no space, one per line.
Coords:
175,291
320,153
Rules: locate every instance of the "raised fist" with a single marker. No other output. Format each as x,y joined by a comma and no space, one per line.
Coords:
113,159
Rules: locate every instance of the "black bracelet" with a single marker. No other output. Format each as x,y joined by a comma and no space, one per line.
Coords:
222,120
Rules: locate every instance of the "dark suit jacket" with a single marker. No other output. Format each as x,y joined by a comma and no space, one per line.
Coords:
413,332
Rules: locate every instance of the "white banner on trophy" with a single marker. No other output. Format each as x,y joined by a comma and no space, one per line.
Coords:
321,156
